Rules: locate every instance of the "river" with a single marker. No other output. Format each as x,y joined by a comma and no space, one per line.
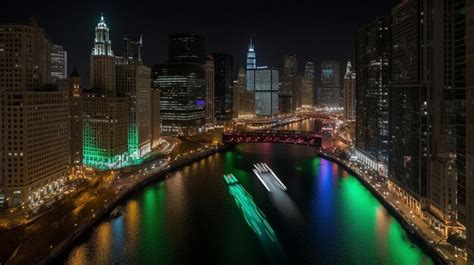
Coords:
325,217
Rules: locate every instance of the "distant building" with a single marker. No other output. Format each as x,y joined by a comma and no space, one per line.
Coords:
265,85
307,86
289,96
245,104
155,118
373,64
57,63
329,94
251,57
35,154
106,114
223,96
76,113
469,151
210,91
183,86
134,49
349,93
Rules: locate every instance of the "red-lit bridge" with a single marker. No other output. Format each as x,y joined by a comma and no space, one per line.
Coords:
273,136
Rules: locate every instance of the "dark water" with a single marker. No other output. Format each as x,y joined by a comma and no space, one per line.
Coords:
326,217
310,125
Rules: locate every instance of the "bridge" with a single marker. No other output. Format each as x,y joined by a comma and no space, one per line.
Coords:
273,136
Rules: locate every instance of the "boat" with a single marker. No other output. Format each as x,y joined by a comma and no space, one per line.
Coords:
116,212
230,179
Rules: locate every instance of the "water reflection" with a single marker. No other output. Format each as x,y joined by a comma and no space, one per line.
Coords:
191,217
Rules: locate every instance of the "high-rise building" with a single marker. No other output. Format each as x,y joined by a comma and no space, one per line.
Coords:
155,118
57,63
35,154
182,109
133,81
134,49
183,86
409,121
188,48
349,93
307,86
329,94
245,104
265,84
373,64
460,92
102,61
106,114
77,109
444,101
289,97
210,91
223,96
469,150
251,57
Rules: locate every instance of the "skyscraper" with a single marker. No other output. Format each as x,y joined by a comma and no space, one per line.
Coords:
102,61
77,109
289,97
223,96
251,57
210,91
349,92
106,122
245,105
134,49
182,85
57,63
409,122
469,151
133,81
307,86
329,94
265,85
460,18
35,155
373,64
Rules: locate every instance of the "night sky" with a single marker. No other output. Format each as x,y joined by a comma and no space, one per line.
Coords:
313,30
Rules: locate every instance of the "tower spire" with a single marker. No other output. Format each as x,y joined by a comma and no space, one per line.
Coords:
251,56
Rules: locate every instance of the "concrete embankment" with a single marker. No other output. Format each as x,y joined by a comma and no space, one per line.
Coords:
414,234
88,224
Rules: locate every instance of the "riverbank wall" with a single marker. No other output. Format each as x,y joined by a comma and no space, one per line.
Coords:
414,234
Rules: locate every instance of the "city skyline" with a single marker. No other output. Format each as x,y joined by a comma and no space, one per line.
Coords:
313,35
346,129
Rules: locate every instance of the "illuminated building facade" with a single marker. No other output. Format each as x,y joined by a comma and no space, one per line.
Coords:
307,86
469,151
183,86
134,82
210,91
329,94
349,93
265,85
106,114
289,97
35,152
223,96
408,114
245,106
251,57
373,64
57,63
